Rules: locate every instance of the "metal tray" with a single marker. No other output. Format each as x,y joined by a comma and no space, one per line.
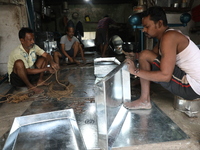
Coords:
53,130
103,66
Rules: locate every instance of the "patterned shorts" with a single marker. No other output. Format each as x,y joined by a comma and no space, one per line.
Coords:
178,85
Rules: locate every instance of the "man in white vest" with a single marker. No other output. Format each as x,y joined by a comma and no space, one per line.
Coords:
174,62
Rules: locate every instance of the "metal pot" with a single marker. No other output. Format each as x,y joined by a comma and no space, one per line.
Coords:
130,47
116,44
186,105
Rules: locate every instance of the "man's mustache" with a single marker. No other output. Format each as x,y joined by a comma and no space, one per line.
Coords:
32,45
146,34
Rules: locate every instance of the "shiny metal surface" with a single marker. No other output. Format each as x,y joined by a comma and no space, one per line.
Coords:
116,44
83,80
88,43
52,130
186,105
137,128
110,93
103,66
146,127
189,107
87,122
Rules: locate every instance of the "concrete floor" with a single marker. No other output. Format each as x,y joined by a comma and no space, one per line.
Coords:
162,98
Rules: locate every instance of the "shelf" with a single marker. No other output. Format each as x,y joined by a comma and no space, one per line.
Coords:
176,10
179,9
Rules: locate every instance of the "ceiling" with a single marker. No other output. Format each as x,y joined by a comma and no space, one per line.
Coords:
58,2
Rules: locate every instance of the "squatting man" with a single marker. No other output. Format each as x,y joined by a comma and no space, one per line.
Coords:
28,62
174,62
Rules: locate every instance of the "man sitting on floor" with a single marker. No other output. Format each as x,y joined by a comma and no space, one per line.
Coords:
70,47
24,65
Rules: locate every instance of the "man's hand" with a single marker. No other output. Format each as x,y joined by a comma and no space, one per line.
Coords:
70,59
54,65
131,66
50,60
130,55
51,70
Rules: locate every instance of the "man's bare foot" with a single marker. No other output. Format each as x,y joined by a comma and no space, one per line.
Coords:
36,90
77,62
138,104
84,61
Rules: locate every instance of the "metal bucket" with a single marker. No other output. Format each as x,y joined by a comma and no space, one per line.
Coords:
130,47
186,105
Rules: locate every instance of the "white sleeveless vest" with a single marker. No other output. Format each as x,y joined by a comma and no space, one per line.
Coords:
189,61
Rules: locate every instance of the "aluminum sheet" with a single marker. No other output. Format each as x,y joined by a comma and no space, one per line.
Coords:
110,93
148,126
103,66
53,130
139,127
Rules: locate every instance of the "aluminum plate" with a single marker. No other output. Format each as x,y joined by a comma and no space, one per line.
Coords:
52,130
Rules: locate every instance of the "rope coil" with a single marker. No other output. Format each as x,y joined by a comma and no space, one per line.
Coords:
21,96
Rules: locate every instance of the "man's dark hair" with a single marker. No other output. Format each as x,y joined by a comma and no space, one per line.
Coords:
70,24
106,16
23,32
156,13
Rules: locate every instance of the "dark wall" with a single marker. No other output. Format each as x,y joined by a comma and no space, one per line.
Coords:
118,12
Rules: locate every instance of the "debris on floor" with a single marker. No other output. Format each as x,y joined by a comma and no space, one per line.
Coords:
18,97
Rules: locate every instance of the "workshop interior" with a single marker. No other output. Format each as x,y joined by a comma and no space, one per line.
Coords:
89,113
